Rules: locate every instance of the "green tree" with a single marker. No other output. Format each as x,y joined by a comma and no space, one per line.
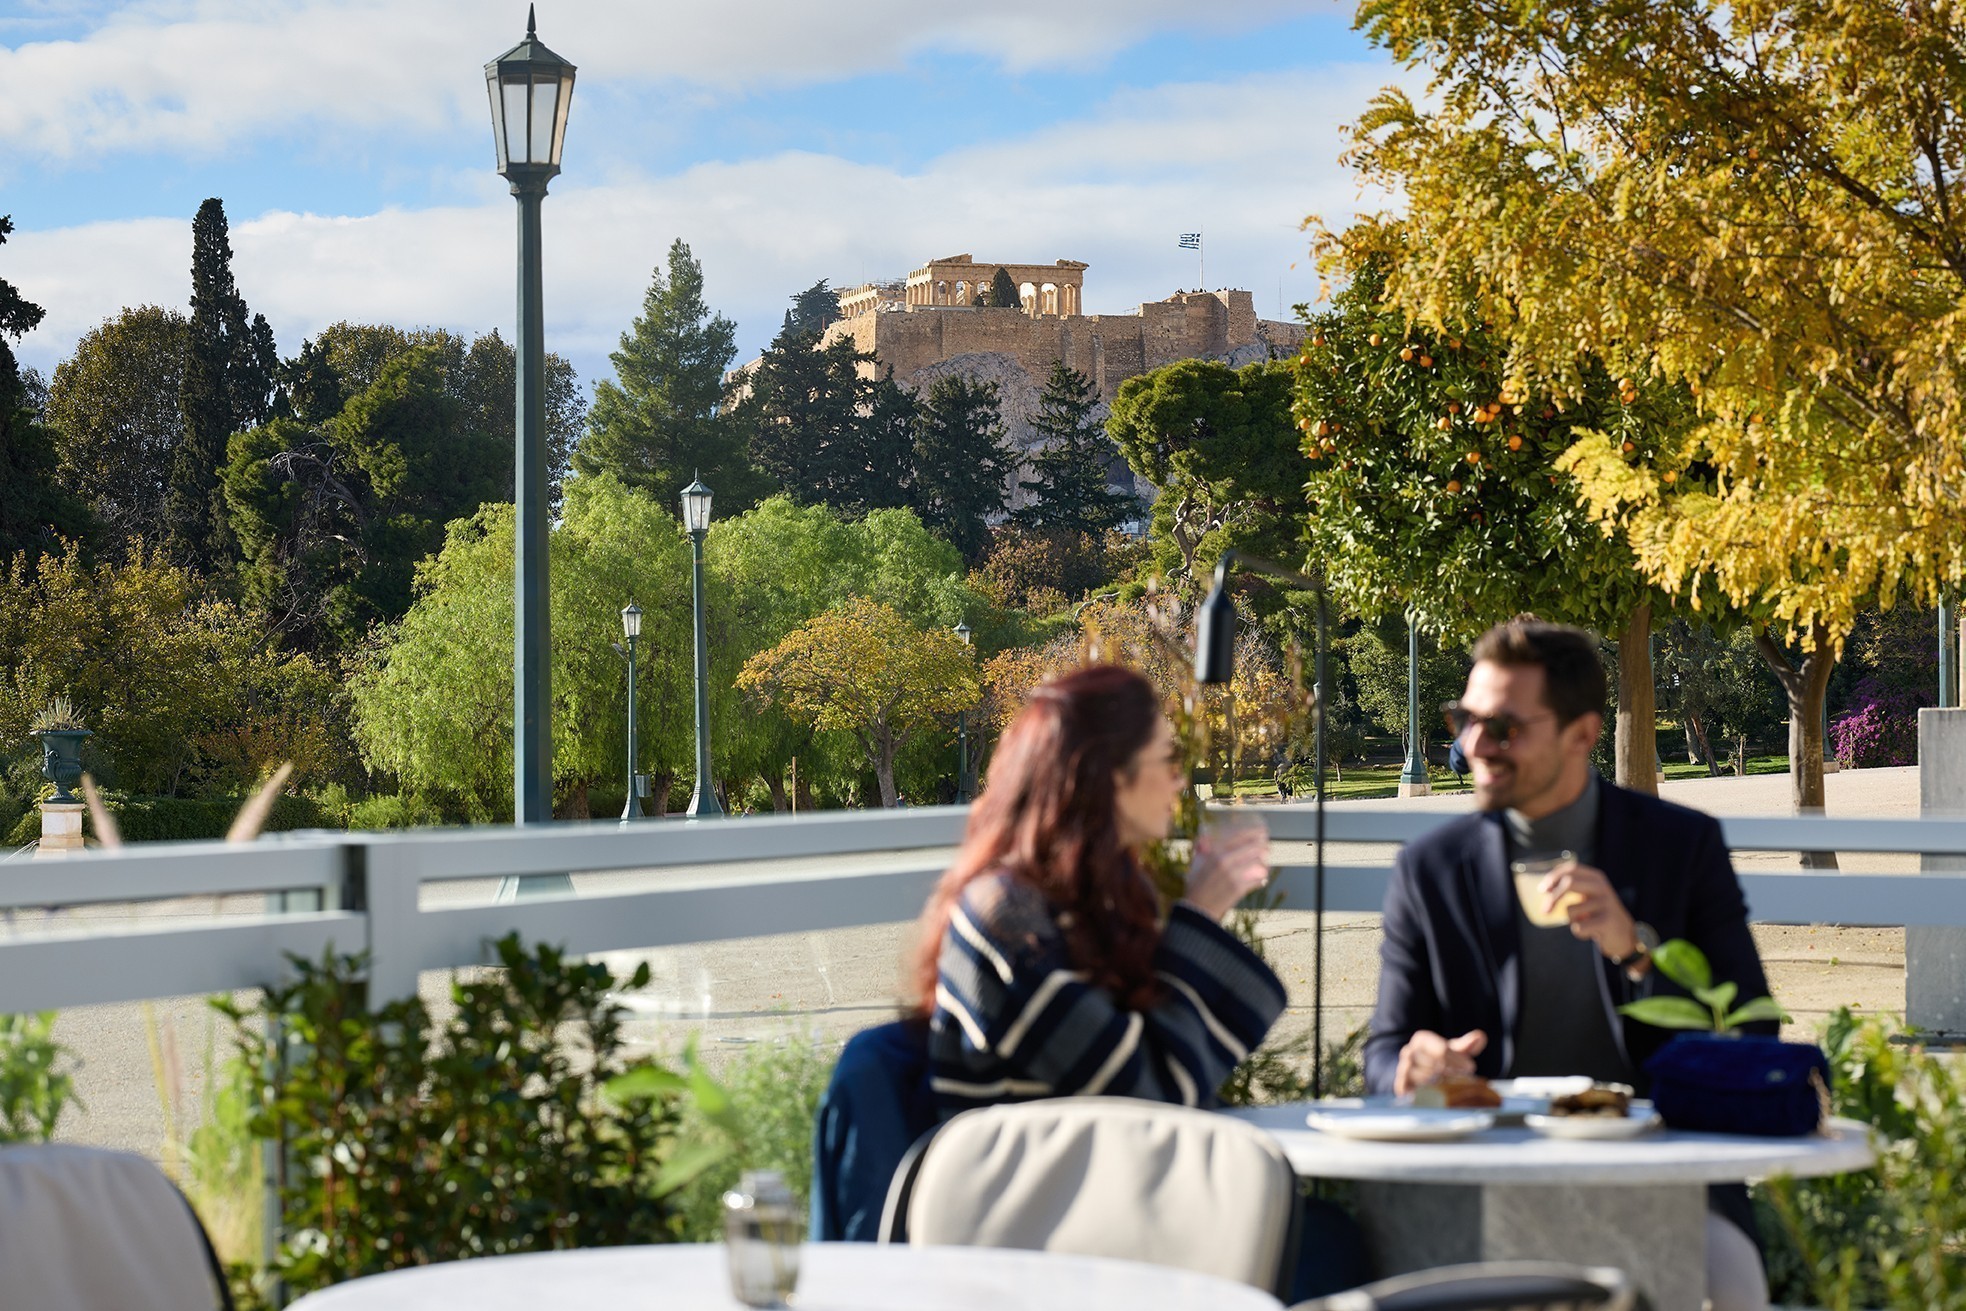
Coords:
34,507
481,375
813,310
805,419
1716,683
226,386
119,423
1070,491
1437,490
862,669
963,462
332,520
1002,293
659,424
1375,656
182,693
1220,446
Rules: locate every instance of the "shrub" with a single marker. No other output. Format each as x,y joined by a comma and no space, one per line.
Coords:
1892,1236
417,1140
1880,728
773,1092
393,811
35,1085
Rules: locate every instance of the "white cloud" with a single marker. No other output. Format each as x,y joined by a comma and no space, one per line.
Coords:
196,77
1244,161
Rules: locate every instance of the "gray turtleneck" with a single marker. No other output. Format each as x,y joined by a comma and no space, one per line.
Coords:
1561,1026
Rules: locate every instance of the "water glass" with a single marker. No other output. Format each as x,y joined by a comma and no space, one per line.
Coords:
762,1231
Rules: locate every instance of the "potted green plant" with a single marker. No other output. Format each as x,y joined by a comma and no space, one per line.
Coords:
1716,1078
61,734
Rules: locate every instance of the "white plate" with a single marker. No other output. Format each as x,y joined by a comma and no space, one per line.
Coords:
1542,1087
1398,1126
1642,1120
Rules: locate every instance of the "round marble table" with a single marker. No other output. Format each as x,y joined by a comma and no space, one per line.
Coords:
832,1277
1510,1193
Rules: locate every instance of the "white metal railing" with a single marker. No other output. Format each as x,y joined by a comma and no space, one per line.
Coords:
363,891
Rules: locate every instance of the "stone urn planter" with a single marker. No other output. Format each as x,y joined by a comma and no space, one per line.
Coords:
61,760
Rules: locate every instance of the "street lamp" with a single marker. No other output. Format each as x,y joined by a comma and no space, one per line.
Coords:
530,90
1413,778
631,628
962,735
696,518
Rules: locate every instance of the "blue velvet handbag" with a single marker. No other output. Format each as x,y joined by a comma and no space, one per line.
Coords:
1740,1083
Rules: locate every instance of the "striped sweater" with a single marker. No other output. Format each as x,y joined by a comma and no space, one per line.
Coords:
1013,1021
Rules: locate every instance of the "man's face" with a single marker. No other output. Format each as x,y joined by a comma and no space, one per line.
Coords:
1535,769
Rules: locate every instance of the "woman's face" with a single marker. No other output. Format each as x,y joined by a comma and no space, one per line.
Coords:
1148,788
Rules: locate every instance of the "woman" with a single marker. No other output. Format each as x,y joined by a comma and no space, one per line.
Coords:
1045,968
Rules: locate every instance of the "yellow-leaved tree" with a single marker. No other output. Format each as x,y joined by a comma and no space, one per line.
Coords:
1760,201
862,669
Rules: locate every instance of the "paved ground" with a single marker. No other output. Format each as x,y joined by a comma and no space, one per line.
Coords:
828,984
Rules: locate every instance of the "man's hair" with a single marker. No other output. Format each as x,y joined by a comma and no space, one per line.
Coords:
1573,677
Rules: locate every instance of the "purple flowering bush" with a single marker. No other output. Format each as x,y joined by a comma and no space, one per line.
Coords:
1880,728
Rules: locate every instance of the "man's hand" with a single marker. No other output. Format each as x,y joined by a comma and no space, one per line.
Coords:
1427,1056
1598,914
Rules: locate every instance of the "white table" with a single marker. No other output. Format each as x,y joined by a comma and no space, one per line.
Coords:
832,1277
1509,1193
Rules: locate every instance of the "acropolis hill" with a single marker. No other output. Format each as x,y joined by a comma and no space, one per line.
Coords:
931,319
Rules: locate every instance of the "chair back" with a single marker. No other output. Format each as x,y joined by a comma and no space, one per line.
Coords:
82,1228
876,1105
1105,1176
1490,1286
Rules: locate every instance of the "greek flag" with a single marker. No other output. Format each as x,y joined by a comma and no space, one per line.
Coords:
1191,241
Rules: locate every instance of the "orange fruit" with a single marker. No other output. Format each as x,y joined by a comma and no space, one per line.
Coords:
1304,424
1453,407
1629,448
1454,343
1453,485
1474,457
1671,477
1407,353
1324,429
1426,361
1515,443
1373,339
1446,424
1626,384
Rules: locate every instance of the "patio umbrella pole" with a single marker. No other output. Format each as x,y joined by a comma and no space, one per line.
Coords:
1317,931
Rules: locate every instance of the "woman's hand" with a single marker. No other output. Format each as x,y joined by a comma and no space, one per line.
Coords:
1230,862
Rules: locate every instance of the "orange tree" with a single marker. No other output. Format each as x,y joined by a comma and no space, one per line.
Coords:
1435,488
863,670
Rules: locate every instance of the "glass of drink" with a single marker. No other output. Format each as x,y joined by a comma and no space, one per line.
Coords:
762,1230
1529,876
1223,827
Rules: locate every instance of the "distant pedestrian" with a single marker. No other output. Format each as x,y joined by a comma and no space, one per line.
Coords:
1457,760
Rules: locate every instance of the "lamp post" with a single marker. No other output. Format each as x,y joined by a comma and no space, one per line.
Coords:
962,735
696,517
530,89
631,628
1413,778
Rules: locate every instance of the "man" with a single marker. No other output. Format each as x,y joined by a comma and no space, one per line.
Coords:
1469,985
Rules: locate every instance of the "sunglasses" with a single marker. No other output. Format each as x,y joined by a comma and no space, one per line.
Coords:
1501,728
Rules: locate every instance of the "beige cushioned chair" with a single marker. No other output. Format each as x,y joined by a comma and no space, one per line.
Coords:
1104,1176
84,1229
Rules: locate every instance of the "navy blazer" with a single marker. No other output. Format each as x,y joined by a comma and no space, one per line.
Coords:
1451,959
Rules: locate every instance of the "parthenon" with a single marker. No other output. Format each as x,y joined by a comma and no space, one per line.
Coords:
1046,289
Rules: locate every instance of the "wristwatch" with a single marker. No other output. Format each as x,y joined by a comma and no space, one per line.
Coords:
1646,939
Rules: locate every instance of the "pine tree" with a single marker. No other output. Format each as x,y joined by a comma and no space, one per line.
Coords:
803,418
34,508
660,423
228,377
889,443
813,310
1003,292
962,461
1070,487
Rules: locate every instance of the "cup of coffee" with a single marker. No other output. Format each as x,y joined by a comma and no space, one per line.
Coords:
1529,876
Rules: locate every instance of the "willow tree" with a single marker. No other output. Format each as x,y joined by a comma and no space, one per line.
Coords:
1434,489
1759,201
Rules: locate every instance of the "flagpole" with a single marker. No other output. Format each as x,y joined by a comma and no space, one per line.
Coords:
1201,264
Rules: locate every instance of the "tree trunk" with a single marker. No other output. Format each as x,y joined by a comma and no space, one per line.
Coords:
574,804
1804,688
803,791
1636,747
1696,733
659,784
780,801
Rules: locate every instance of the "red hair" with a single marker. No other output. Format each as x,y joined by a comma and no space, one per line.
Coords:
1048,818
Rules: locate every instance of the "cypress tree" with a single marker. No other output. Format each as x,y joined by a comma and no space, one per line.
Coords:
228,378
33,506
1071,466
1003,292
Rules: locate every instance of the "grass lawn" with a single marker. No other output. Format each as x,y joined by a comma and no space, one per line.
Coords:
1372,782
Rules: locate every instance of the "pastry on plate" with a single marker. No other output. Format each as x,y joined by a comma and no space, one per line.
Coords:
1458,1092
1612,1101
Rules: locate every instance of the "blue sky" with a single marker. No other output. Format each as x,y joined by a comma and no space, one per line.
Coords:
786,141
